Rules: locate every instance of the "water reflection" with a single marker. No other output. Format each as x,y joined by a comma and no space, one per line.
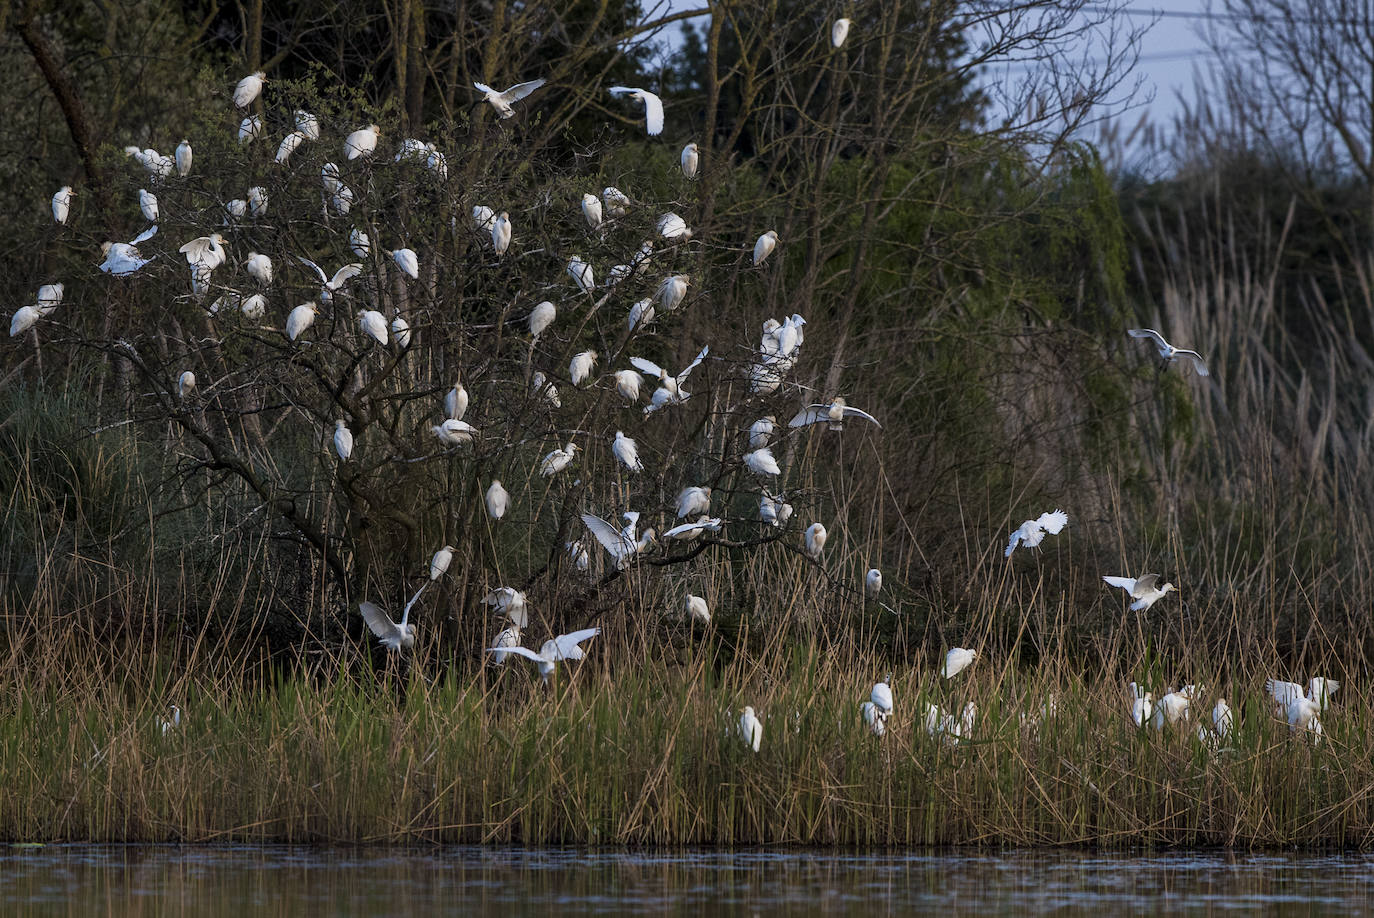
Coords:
211,881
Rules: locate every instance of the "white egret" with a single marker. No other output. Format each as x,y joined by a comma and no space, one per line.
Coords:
123,258
226,302
653,107
288,145
697,610
839,31
362,142
502,101
501,233
358,243
815,537
373,324
1167,352
1171,709
627,383
873,583
557,460
671,226
299,319
1223,719
687,532
407,261
1319,690
237,208
248,89
147,202
580,368
412,150
873,718
438,565
1143,589
343,440
183,157
254,307
881,695
307,124
186,383
761,431
670,386
484,218
259,267
563,647
956,661
454,433
764,246
497,500
761,462
50,297
591,210
641,313
509,602
627,451
394,636
400,331
690,160
582,274
774,510
1142,703
250,128
672,291
257,201
617,274
577,553
168,724
693,501
621,544
456,402
544,389
341,199
62,204
541,317
24,318
1032,532
204,252
833,414
332,285
509,637
750,728
616,201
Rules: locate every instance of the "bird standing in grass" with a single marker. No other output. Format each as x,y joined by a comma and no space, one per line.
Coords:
750,728
956,661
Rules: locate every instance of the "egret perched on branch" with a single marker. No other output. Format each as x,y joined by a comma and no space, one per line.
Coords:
509,637
124,258
541,317
672,291
761,431
832,414
257,201
248,89
288,145
400,331
750,728
497,500
653,107
687,532
254,307
259,267
50,297
815,537
394,636
582,274
454,433
881,696
483,218
671,226
373,325
343,440
307,124
873,583
1142,703
544,389
557,460
358,243
693,501
1032,532
616,201
1319,690
25,317
761,462
774,510
147,202
956,661
1167,352
627,451
501,233
332,285
641,313
691,160
839,31
362,142
250,128
62,204
300,318
764,246
501,101
186,383
407,261
580,369
563,647
627,383
183,157
456,402
697,610
204,252
438,565
874,718
1143,589
1171,709
591,210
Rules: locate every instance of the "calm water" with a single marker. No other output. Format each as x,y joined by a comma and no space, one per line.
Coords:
209,881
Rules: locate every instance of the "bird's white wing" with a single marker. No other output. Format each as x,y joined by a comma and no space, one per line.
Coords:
144,236
520,90
1146,333
653,113
1195,357
567,643
1285,693
622,90
1017,535
1053,522
310,264
682,377
811,414
521,651
1126,583
1143,584
378,621
483,87
343,275
682,528
648,366
609,537
851,412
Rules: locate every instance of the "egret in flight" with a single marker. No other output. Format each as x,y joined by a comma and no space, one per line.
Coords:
563,647
1167,352
653,107
501,101
833,414
394,636
1033,532
1143,589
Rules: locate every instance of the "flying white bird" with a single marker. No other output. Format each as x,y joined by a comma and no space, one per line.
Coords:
764,246
259,267
627,383
509,602
750,729
591,210
627,451
693,501
815,537
1032,532
580,368
307,124
687,532
501,101
497,500
394,636
581,272
183,157
697,610
671,226
343,440
621,544
62,204
653,107
332,285
690,160
454,433
874,718
288,145
186,383
1167,352
839,31
672,291
362,142
1142,703
123,258
670,386
250,128
956,661
147,202
881,696
407,261
616,201
248,89
873,583
761,462
563,647
501,233
1319,690
557,460
373,324
833,414
456,402
204,252
1143,589
299,319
